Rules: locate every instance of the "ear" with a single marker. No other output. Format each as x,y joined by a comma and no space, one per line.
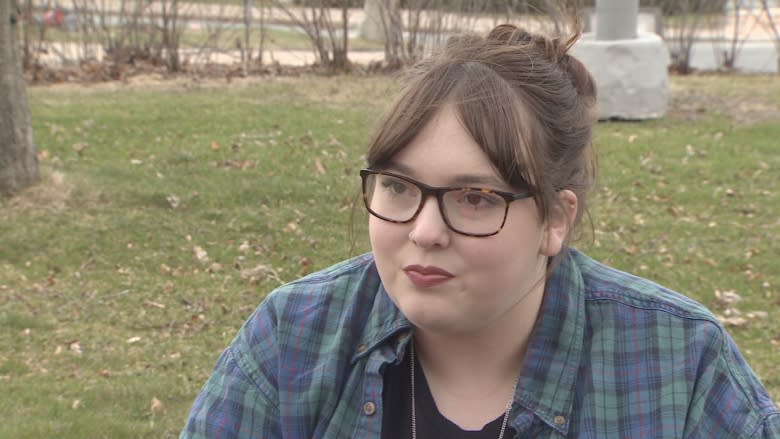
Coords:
559,224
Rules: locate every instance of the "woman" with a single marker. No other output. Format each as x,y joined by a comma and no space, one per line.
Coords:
472,318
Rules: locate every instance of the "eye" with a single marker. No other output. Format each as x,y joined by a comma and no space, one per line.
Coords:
477,199
395,186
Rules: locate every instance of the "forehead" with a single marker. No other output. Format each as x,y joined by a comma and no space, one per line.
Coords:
444,154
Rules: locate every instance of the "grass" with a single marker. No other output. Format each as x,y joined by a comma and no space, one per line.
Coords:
167,212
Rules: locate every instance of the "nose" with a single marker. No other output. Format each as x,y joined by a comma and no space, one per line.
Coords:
428,228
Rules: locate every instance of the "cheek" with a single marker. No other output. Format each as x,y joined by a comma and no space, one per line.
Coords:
385,237
488,261
506,259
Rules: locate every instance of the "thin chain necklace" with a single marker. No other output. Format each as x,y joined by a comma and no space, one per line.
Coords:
414,411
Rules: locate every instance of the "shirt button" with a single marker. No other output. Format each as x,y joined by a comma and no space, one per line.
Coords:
559,420
369,408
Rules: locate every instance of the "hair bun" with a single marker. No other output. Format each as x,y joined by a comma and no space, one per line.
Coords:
510,34
551,48
555,50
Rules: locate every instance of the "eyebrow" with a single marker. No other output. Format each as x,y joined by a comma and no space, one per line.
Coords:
457,180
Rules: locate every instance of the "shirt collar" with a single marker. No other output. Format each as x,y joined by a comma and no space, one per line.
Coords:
547,382
385,321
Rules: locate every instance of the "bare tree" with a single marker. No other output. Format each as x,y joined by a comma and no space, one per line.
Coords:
693,15
737,16
171,34
773,28
246,48
261,38
425,24
330,43
18,159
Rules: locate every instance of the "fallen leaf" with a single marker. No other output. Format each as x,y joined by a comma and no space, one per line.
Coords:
257,274
306,265
214,145
674,211
74,347
75,404
757,315
200,254
239,164
729,297
132,340
173,200
733,321
80,147
154,304
215,267
157,407
318,166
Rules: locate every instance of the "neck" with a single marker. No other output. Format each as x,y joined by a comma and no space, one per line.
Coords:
496,350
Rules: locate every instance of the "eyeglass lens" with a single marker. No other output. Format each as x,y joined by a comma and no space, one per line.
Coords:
471,211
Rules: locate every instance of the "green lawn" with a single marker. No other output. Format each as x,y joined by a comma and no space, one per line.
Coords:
168,210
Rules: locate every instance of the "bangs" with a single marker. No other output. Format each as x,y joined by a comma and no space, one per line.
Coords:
498,120
491,109
425,93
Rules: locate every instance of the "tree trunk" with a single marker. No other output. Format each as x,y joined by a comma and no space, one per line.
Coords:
18,159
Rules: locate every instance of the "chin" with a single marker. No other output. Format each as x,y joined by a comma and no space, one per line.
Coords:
434,321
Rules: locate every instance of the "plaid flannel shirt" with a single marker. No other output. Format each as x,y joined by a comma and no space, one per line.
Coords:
612,356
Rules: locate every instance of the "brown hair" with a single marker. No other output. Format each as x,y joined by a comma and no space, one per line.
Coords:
522,98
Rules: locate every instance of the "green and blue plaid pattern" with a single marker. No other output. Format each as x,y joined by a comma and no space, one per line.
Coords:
612,356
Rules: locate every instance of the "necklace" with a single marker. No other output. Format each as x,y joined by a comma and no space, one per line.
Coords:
414,411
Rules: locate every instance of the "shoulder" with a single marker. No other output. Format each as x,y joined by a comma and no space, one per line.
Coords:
313,317
339,282
675,340
320,301
637,307
607,285
287,363
301,324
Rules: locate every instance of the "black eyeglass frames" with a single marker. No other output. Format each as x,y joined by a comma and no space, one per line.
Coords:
469,211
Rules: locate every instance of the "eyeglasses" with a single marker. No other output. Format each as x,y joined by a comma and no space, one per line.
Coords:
469,211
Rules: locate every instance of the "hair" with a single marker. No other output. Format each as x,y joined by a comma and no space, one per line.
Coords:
527,103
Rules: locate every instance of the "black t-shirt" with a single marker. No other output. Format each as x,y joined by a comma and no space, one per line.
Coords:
397,403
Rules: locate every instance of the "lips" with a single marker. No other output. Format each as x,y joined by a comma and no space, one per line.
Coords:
427,276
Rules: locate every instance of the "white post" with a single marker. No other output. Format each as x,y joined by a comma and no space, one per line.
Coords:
629,67
616,19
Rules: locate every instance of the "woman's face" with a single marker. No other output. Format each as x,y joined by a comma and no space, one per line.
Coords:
450,283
